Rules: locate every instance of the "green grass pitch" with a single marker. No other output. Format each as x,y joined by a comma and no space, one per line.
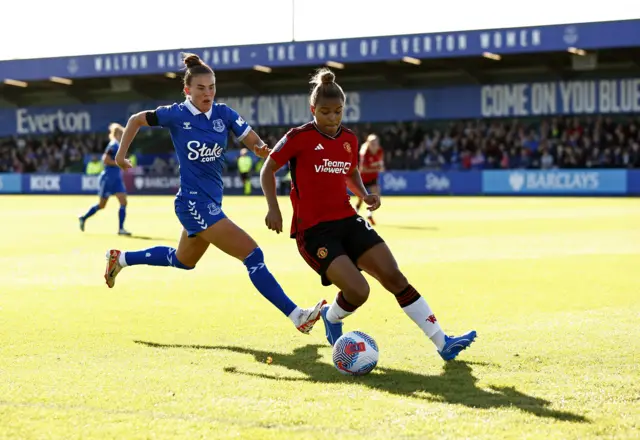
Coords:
551,285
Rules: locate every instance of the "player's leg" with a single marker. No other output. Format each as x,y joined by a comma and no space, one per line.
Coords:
246,182
354,292
234,241
321,248
103,194
379,262
190,250
122,212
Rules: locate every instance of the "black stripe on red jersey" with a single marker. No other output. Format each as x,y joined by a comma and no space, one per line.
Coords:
347,130
334,137
296,131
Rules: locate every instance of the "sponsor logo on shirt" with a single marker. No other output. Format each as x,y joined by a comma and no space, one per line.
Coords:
202,152
333,167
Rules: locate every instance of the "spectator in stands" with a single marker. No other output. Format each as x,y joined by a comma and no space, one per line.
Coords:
560,142
95,166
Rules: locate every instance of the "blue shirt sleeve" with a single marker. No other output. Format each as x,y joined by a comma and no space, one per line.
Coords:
235,123
166,115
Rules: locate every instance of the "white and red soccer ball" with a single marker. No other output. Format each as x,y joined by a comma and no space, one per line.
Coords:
355,353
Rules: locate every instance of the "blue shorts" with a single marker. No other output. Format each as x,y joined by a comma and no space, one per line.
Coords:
197,215
109,186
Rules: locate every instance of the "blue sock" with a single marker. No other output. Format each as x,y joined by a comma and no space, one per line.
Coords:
91,211
155,256
122,213
266,283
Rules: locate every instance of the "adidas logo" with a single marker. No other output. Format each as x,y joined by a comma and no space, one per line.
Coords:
319,147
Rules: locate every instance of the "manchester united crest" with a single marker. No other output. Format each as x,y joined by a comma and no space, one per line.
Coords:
347,146
322,253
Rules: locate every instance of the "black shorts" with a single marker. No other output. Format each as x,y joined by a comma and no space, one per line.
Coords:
369,184
324,242
244,176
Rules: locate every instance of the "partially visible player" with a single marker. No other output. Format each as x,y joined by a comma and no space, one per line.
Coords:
199,130
332,238
371,165
244,168
110,181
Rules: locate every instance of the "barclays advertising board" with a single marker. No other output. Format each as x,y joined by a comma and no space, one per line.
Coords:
561,182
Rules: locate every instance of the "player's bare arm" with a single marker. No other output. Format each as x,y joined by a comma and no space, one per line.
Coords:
255,144
354,183
130,131
273,220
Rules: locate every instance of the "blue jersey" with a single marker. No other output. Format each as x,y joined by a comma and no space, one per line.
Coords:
111,181
112,171
200,141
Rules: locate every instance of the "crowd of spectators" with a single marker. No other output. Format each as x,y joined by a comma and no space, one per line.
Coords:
564,142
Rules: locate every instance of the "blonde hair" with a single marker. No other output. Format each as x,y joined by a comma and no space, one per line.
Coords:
365,145
115,131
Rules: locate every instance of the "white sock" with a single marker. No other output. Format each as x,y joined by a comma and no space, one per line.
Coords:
420,313
295,316
336,313
122,260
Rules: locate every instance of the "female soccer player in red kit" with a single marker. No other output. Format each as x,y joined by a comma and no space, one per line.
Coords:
331,237
371,165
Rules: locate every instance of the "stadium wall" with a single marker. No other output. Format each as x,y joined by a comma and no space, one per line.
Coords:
587,182
522,100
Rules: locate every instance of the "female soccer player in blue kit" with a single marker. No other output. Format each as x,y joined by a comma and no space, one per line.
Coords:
111,182
199,130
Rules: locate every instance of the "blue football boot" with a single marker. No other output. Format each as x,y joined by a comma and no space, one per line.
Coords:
453,345
333,331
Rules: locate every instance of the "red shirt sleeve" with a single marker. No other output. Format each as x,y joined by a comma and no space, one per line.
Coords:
284,150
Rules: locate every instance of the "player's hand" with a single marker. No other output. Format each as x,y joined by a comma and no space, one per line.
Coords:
123,163
372,201
261,151
273,220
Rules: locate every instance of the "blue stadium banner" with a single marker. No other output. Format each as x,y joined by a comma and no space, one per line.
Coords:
434,45
591,182
59,184
559,182
430,182
633,182
605,96
10,183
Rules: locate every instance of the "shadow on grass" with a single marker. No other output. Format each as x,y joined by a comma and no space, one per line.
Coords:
456,385
412,227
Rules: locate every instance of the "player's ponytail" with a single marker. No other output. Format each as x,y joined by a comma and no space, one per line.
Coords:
325,86
194,66
115,131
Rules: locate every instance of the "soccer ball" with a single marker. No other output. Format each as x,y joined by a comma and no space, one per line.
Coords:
355,353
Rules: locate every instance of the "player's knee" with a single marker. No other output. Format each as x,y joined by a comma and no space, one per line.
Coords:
393,280
357,292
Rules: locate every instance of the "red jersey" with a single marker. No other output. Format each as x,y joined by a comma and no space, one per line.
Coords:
369,160
319,165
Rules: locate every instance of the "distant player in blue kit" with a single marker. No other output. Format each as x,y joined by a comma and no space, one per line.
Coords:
199,130
110,181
